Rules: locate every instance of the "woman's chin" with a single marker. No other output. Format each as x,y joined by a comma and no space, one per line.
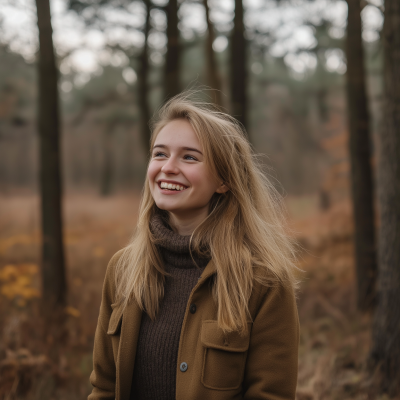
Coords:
170,206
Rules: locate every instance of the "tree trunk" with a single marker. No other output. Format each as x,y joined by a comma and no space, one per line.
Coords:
143,85
107,174
213,76
53,268
386,328
360,157
172,62
238,67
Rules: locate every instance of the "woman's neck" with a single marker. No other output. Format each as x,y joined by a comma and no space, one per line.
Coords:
185,225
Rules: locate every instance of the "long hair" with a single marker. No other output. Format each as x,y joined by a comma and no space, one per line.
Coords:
244,231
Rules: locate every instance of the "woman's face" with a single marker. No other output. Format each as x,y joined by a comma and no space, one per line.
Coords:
177,159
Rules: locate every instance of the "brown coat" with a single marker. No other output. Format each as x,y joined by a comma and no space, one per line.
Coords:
261,365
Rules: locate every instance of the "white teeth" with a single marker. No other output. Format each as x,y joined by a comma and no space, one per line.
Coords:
171,186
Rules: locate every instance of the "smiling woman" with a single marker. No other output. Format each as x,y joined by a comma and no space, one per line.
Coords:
200,304
182,162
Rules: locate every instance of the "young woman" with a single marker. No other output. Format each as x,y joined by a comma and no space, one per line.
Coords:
200,305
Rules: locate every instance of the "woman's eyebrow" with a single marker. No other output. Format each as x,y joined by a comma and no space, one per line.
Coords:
183,148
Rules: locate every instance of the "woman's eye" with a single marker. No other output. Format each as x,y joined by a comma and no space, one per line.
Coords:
160,154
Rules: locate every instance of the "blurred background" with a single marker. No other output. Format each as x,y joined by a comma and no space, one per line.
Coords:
300,75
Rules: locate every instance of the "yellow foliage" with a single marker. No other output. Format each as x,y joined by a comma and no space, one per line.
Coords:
72,311
16,282
8,272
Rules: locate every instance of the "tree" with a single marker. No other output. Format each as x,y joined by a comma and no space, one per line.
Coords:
172,84
143,87
385,352
360,155
106,178
213,75
116,116
238,57
53,268
138,60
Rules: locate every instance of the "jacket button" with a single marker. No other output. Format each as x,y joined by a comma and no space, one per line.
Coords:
183,367
192,308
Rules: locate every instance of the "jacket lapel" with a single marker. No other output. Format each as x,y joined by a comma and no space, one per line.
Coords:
209,270
131,319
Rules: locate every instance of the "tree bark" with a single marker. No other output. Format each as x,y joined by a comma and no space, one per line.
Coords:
238,60
53,267
386,328
213,76
360,158
172,62
107,173
143,85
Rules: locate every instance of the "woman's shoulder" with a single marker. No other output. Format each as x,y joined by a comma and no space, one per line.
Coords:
272,291
115,258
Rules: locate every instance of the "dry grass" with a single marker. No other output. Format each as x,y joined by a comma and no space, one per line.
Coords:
334,336
35,364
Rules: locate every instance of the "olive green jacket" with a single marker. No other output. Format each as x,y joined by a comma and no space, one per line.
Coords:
260,365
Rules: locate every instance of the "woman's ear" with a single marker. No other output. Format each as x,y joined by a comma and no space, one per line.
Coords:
222,188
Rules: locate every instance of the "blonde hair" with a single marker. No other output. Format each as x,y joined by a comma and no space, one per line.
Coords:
244,231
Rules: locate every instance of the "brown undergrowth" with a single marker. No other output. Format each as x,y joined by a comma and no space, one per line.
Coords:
38,363
334,336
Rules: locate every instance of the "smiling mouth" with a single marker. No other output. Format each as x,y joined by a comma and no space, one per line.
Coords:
171,189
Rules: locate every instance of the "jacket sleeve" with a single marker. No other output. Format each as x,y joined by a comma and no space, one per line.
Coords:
103,376
272,360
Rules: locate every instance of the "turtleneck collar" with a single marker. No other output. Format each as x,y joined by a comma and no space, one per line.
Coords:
174,248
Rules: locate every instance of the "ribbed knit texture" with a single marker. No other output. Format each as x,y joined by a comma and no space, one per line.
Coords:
154,375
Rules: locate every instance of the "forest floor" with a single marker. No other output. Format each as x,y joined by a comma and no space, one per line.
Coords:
38,365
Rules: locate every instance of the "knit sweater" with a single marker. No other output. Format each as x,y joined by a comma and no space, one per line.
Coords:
154,375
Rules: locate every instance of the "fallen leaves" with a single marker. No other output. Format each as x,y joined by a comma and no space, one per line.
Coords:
17,282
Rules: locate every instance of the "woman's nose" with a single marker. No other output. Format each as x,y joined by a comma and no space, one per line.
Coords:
170,166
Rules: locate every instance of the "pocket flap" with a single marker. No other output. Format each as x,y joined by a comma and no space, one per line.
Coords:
213,336
115,319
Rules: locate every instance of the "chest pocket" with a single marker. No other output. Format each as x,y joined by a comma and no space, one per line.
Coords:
114,324
224,357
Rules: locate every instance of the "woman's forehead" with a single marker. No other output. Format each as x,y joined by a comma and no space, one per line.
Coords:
178,133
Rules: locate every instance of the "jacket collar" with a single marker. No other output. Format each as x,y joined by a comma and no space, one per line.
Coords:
209,270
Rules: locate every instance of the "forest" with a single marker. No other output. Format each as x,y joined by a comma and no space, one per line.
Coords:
316,85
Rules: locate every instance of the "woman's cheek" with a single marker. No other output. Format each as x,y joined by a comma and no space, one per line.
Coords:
151,172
